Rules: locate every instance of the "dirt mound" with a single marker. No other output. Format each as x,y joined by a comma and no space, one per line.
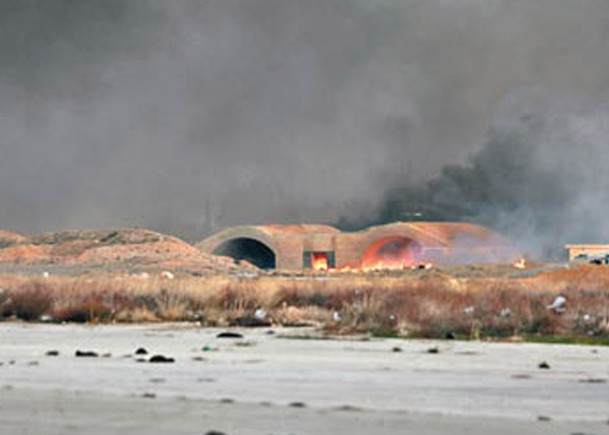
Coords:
114,250
8,238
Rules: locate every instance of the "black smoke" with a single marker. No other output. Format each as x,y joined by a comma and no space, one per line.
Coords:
188,116
541,178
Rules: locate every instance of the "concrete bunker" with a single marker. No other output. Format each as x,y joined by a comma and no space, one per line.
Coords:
251,250
396,245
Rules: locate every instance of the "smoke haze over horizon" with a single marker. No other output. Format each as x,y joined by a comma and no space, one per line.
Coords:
189,116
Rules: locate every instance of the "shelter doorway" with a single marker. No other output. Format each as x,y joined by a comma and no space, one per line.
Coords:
250,250
392,252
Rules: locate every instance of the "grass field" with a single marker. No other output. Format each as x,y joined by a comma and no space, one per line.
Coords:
467,302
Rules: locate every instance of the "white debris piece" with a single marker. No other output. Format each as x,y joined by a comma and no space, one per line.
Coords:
336,316
469,311
167,274
260,313
559,304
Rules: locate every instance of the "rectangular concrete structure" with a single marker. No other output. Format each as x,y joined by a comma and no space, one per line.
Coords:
586,250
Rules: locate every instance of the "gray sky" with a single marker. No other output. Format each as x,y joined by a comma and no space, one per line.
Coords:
186,116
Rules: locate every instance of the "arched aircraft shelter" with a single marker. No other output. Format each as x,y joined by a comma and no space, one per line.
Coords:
401,244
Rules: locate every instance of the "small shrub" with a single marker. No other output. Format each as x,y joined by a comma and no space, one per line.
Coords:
171,306
29,301
91,308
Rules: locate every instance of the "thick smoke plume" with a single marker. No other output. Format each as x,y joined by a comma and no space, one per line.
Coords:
188,116
541,178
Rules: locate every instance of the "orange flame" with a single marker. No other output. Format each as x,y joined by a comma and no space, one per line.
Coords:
391,253
319,261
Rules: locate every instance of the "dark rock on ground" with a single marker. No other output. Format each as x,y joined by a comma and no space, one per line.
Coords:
86,354
161,359
229,334
251,322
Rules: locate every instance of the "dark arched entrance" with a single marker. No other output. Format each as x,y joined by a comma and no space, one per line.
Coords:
392,252
250,250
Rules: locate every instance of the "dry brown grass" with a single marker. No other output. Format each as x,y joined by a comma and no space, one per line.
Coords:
427,304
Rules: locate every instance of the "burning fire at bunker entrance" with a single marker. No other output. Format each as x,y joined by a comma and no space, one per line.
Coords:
394,246
391,253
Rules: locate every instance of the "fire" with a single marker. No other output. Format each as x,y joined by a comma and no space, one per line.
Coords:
319,261
520,263
393,253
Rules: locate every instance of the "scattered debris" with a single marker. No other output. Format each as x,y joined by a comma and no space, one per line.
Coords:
349,408
141,351
298,405
205,380
505,312
214,432
521,376
396,349
544,365
227,400
469,311
450,336
86,354
149,396
543,418
468,353
52,353
245,343
161,359
593,381
336,316
433,350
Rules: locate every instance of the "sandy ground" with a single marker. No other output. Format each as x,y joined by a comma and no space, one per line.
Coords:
268,384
